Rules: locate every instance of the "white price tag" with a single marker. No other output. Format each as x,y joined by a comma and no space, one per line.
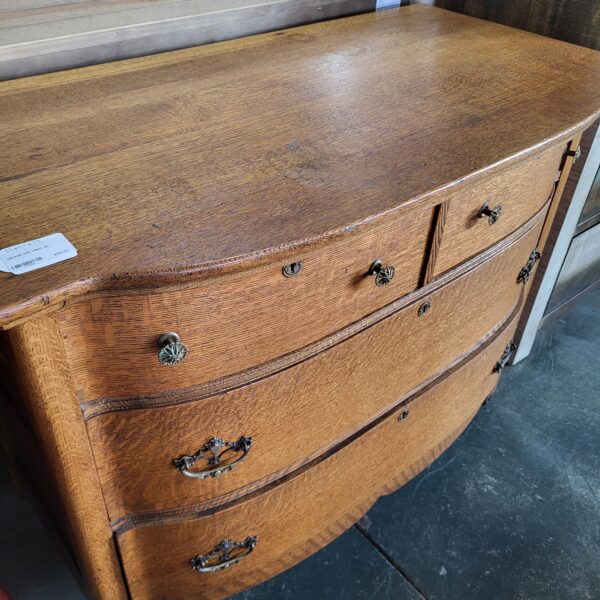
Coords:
383,4
36,254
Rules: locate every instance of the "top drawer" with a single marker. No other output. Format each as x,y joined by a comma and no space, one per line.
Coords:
230,324
513,196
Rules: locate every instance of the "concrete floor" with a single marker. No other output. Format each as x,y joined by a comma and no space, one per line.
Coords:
510,511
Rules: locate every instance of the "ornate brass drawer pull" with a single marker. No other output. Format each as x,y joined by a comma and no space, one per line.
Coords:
171,350
224,555
510,348
383,274
493,214
525,272
214,451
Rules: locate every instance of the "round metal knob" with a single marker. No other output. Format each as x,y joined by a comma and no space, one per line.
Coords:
493,214
171,350
383,274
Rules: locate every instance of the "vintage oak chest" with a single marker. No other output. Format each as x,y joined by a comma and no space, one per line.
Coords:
301,262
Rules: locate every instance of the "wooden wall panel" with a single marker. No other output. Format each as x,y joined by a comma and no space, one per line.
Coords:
577,22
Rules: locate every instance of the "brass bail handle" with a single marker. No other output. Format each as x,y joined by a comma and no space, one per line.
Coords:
503,361
224,555
214,454
525,272
383,273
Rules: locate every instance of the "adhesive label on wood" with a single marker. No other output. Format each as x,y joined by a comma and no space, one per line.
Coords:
381,4
35,254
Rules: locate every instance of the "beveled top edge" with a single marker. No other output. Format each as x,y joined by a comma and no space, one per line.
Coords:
424,31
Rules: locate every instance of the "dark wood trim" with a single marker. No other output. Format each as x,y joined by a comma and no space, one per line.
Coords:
441,212
124,524
101,406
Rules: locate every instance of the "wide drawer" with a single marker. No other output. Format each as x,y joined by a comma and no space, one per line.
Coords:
233,323
296,411
294,518
520,191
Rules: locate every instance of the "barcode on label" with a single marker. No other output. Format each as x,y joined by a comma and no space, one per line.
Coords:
35,254
28,262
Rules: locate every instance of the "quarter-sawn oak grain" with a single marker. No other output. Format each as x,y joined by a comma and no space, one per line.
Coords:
54,414
294,519
186,181
340,389
170,168
521,191
234,323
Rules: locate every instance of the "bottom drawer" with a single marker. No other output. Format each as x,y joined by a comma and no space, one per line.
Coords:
295,516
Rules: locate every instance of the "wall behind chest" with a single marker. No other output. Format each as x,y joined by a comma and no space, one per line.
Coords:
38,36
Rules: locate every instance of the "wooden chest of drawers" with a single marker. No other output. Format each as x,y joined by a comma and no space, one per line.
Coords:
302,260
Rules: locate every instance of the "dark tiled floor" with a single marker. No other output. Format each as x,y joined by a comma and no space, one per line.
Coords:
511,511
30,566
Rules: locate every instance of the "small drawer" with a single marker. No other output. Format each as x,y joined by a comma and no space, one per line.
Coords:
298,411
273,530
233,323
488,211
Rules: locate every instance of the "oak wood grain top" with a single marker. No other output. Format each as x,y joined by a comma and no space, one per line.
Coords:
168,168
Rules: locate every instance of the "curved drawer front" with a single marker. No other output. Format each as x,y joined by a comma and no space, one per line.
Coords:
512,196
232,324
296,518
298,412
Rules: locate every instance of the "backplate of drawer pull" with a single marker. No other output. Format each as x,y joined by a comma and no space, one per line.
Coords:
220,557
383,273
525,272
510,348
493,214
214,451
171,350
